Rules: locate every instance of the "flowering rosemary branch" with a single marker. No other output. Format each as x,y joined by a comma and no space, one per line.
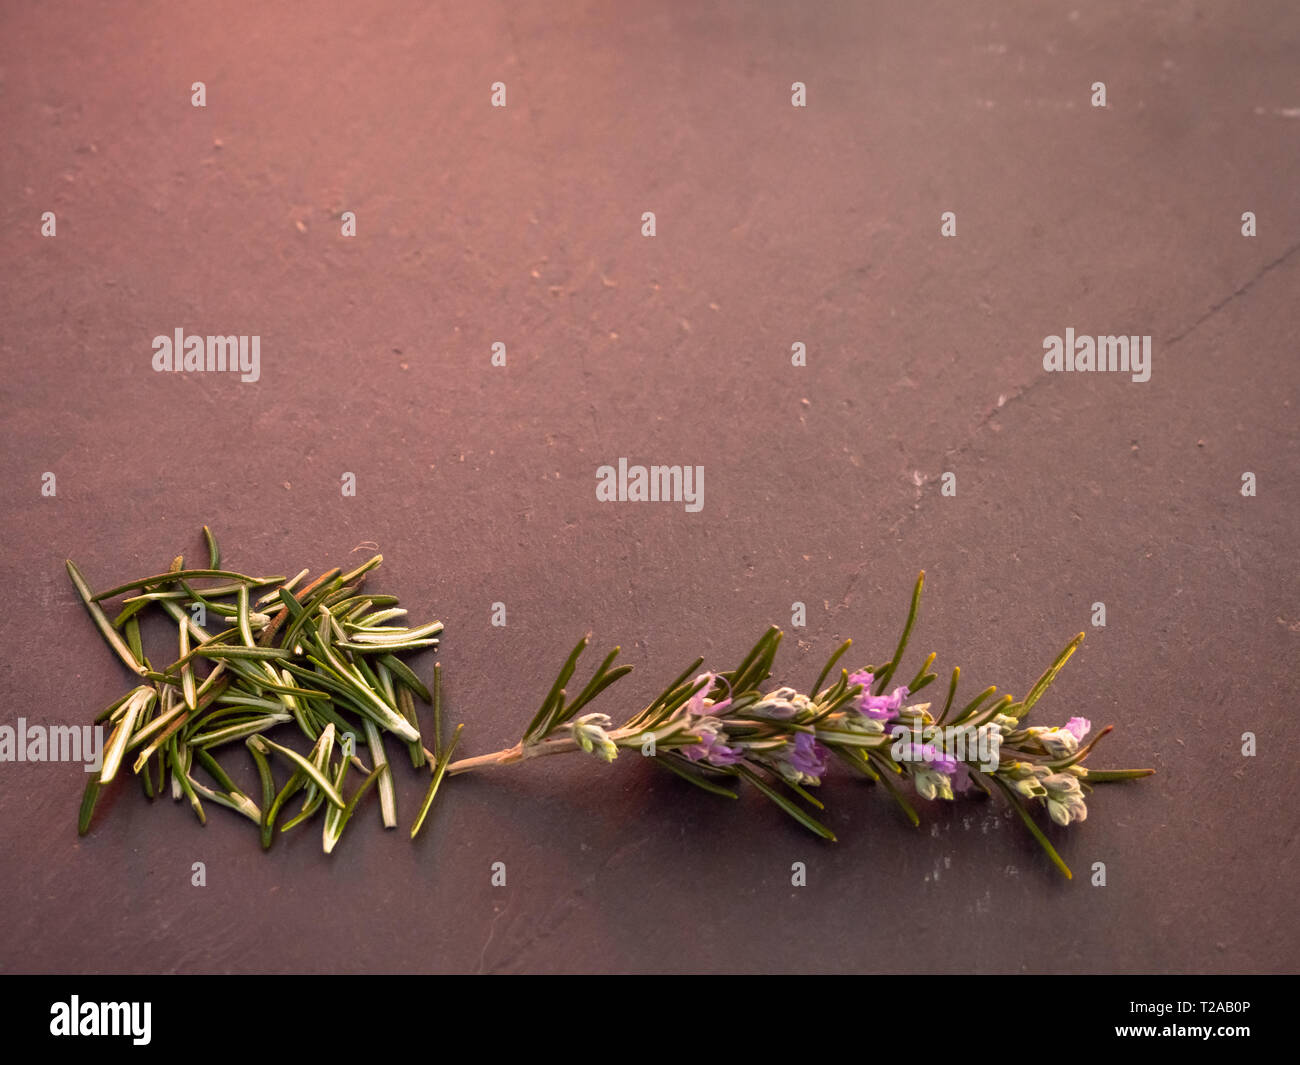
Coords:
716,730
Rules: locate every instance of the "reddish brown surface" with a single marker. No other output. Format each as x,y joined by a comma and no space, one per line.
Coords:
775,225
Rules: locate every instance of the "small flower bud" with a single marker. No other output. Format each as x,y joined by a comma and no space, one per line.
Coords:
589,732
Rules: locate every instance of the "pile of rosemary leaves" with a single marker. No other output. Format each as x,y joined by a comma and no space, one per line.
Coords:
322,656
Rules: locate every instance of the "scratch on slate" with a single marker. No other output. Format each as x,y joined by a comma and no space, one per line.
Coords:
1216,308
492,930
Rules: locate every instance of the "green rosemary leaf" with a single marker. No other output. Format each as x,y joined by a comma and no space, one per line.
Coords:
858,760
336,594
159,741
337,820
370,702
424,632
172,576
757,665
241,731
667,705
437,711
883,678
804,794
387,796
297,709
749,660
274,594
101,621
146,783
1045,681
845,738
265,683
291,787
329,716
187,670
195,650
988,713
240,803
403,673
830,664
220,653
129,610
181,773
214,552
88,799
245,629
1101,776
363,569
368,678
234,796
374,621
302,815
384,649
809,822
167,717
542,720
319,756
307,600
885,768
115,748
971,706
676,765
682,678
952,690
359,605
600,680
262,744
291,609
840,687
407,707
834,699
214,769
439,771
175,595
922,677
239,700
383,680
233,714
320,676
1033,827
110,710
268,791
132,632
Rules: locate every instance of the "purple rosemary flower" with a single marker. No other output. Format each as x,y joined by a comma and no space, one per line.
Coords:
878,707
713,747
801,760
861,677
695,705
929,756
807,756
1078,727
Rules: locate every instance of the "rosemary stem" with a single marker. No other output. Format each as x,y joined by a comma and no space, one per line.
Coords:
520,752
481,761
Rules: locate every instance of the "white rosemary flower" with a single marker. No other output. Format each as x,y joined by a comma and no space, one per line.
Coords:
589,731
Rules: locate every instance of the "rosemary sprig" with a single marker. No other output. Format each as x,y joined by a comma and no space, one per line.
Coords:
724,727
